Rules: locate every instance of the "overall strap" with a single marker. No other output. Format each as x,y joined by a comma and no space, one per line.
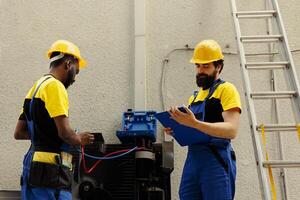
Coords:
31,115
195,96
212,89
212,146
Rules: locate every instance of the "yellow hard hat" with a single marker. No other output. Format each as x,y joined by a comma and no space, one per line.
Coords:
66,47
207,51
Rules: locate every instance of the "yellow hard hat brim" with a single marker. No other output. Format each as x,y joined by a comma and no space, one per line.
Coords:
197,61
82,63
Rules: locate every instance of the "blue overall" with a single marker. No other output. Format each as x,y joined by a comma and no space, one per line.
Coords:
210,169
37,193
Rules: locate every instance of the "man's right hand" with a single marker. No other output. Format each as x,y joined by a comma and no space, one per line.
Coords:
168,131
86,138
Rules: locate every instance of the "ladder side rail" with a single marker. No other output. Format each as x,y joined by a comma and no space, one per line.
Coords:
282,177
251,111
283,174
291,77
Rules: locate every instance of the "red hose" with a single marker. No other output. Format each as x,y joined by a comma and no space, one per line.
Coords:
87,171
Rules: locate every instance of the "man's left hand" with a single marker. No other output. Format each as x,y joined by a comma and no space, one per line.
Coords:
184,118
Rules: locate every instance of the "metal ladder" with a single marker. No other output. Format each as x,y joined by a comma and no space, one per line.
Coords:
285,65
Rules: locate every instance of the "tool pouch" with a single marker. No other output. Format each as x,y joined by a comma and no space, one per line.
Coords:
49,176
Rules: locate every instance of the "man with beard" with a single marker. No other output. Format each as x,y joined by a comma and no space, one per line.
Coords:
47,166
210,168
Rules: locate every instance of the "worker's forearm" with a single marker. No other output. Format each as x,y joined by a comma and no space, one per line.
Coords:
70,137
219,129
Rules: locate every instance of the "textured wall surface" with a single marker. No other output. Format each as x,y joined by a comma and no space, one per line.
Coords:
104,31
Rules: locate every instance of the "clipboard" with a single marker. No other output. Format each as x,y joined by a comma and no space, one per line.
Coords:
183,135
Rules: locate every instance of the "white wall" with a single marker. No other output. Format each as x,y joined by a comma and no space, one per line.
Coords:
104,31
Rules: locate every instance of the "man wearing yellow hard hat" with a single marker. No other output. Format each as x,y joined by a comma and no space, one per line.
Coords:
47,166
210,168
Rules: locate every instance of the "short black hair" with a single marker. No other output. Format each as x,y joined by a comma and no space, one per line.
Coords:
219,62
58,62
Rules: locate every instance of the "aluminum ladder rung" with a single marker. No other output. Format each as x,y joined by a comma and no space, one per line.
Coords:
281,163
266,65
277,127
256,14
273,95
260,38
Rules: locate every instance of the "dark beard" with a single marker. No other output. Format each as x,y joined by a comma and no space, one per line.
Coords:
205,81
70,79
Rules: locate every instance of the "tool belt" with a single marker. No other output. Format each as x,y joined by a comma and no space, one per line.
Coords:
51,170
